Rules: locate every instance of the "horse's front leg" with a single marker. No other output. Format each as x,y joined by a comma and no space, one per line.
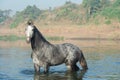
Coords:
46,68
37,68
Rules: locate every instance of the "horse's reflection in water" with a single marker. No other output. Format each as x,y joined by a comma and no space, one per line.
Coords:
61,76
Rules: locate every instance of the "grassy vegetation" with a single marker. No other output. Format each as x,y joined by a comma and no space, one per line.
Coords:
16,38
11,38
55,38
107,22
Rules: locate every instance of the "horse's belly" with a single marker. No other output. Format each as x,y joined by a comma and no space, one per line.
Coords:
57,61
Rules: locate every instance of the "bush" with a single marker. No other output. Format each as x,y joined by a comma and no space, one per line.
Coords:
55,38
111,13
107,22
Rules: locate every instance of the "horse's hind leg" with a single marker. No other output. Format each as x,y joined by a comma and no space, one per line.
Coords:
75,67
46,68
72,66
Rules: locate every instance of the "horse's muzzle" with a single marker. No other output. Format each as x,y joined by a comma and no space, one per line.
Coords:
28,40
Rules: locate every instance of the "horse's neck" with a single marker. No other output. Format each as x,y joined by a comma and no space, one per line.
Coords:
38,41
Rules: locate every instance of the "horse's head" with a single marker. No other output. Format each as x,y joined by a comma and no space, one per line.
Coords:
29,30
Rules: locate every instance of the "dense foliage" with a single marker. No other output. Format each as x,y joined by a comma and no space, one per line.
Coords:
89,11
68,11
30,12
4,14
113,11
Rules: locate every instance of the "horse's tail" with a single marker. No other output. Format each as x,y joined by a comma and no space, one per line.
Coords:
83,62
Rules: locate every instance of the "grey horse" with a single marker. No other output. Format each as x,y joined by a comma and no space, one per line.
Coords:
45,54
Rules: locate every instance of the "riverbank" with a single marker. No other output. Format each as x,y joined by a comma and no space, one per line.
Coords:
62,34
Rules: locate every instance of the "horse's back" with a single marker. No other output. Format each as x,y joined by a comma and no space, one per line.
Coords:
71,47
69,50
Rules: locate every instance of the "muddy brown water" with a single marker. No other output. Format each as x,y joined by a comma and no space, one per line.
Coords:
103,60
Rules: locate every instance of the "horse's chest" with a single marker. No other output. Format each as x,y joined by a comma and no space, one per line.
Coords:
36,59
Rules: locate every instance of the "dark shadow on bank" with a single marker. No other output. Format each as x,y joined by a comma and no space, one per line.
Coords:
92,39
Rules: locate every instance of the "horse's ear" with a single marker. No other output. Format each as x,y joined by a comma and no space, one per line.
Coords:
30,22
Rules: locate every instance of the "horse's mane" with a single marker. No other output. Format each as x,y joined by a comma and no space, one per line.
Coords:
38,40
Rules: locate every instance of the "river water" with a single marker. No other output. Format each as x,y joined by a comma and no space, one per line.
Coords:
103,63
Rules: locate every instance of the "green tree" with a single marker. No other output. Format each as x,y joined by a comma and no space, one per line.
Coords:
113,11
92,6
4,14
105,3
30,12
